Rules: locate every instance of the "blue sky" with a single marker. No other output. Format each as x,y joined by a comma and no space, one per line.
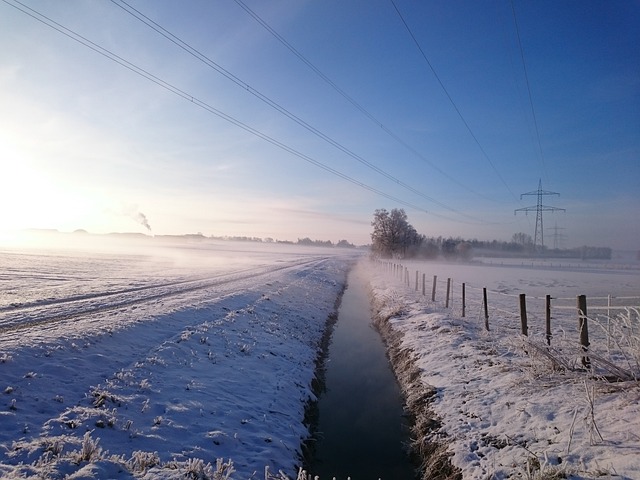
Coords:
86,143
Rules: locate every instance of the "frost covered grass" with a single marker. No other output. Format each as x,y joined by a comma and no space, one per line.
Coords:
61,460
91,461
503,405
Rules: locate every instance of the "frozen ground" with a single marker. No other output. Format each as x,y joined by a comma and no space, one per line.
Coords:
505,405
156,360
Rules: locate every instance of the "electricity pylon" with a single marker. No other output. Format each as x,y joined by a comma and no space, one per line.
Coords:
557,237
539,208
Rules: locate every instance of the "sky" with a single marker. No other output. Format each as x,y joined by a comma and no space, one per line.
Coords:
303,119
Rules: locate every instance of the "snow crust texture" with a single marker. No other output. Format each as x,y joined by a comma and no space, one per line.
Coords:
130,365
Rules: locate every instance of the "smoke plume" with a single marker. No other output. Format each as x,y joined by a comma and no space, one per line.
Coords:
132,211
141,218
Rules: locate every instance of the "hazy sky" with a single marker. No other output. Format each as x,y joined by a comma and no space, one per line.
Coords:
442,125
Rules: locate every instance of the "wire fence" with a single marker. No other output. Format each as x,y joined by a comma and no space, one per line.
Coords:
599,335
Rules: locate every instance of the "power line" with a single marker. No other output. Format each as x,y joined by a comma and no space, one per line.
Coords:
275,105
526,76
455,107
350,99
186,96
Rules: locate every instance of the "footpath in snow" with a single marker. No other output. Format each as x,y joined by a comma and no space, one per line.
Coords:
492,404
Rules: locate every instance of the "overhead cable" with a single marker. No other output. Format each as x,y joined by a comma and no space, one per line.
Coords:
526,76
351,100
275,105
186,96
453,104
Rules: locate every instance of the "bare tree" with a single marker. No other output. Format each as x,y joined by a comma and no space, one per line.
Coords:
522,239
392,234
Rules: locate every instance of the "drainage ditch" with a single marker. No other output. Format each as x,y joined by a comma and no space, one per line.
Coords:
361,430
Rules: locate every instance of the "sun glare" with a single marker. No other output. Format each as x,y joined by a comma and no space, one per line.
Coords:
34,198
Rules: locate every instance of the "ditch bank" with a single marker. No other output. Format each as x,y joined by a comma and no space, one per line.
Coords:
428,446
500,409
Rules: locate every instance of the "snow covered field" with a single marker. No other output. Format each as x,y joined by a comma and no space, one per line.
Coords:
502,407
156,360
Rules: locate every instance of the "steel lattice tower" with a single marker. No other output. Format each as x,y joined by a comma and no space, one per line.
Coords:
539,208
557,236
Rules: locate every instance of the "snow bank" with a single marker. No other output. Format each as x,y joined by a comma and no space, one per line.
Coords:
488,406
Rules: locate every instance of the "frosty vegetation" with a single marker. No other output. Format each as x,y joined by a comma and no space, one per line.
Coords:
490,402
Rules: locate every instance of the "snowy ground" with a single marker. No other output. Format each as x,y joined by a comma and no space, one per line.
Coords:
152,362
504,410
156,360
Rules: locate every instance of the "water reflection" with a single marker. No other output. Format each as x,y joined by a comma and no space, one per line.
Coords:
361,431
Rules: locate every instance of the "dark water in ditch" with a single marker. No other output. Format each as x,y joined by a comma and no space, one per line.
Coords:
361,429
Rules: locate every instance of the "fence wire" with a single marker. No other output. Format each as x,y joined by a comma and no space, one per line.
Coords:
612,323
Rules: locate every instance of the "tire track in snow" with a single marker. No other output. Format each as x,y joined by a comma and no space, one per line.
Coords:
28,306
38,315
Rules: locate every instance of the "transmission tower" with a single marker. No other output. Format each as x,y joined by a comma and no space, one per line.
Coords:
557,237
539,208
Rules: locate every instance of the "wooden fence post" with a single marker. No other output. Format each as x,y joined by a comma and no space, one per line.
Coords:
486,308
424,278
416,280
433,290
446,305
523,315
608,322
547,309
464,302
583,328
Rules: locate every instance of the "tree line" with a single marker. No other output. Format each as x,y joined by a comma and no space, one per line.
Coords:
394,237
301,241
